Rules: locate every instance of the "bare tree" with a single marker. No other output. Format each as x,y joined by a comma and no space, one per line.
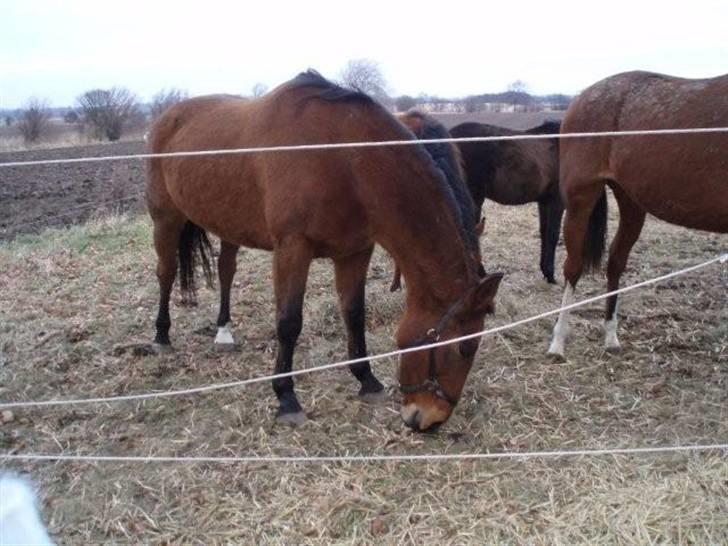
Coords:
518,94
259,89
518,86
164,99
106,112
34,119
365,75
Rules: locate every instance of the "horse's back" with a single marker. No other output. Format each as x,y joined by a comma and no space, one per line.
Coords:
510,172
682,179
254,199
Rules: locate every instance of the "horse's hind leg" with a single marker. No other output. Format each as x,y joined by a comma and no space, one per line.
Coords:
291,260
580,200
350,285
631,220
226,266
550,211
167,232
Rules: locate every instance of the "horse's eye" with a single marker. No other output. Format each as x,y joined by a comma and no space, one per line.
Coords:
468,347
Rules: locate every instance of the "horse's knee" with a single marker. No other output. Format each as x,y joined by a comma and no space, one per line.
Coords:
354,316
289,326
615,268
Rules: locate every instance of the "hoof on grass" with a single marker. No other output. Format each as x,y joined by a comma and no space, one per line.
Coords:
225,347
613,349
378,397
162,349
556,357
291,419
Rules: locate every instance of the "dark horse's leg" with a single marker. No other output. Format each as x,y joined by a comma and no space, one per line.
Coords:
351,274
226,266
291,260
550,212
166,238
396,279
631,220
584,232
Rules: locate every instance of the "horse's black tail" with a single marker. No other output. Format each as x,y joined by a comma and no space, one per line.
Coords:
194,247
596,234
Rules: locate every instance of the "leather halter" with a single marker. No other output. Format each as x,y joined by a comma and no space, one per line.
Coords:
432,384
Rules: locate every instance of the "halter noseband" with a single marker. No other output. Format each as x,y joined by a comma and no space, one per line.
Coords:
431,384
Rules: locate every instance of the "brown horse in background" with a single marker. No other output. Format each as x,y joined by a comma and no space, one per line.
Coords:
323,203
682,179
515,172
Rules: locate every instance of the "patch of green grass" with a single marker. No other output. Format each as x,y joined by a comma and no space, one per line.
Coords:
104,233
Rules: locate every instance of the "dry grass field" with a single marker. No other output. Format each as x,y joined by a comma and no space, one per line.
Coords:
74,303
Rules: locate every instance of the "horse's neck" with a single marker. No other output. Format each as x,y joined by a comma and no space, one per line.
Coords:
423,235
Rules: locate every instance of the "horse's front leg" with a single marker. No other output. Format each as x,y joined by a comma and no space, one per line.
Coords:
551,211
291,260
226,266
351,273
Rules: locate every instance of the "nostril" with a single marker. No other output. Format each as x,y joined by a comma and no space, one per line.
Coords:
413,421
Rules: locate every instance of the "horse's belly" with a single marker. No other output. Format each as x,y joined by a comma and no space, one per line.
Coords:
231,209
683,185
694,208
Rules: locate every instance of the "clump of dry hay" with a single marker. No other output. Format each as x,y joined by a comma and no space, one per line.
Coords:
74,302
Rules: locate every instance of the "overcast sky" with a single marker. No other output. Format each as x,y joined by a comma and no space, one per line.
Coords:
57,50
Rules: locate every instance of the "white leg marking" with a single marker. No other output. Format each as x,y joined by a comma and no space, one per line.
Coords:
224,335
562,325
611,343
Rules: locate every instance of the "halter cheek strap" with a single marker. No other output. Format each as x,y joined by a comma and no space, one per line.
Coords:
431,384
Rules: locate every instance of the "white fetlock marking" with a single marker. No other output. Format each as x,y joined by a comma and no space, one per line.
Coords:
610,334
610,331
224,335
561,329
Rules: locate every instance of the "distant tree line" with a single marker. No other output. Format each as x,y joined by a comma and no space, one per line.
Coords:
101,114
108,114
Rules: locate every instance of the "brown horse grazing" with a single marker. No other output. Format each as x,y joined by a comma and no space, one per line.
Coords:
323,203
682,179
447,157
515,172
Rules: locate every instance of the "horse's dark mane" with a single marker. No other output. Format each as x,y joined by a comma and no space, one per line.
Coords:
447,159
326,89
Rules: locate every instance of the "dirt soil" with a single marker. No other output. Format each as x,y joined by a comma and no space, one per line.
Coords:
33,198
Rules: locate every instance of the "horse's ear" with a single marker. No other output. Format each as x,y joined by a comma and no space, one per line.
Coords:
480,299
480,226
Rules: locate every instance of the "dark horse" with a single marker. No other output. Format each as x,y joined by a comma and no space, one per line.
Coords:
515,172
682,179
323,203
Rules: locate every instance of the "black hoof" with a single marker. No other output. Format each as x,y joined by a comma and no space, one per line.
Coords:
370,385
374,397
295,419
